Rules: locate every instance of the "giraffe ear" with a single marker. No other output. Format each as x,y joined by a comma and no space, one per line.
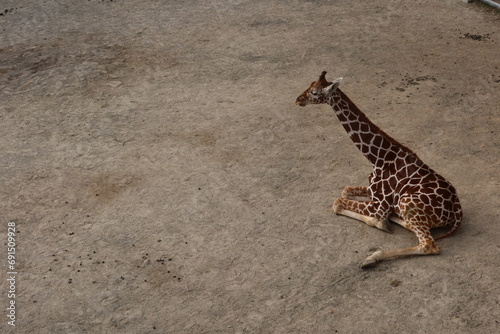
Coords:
335,84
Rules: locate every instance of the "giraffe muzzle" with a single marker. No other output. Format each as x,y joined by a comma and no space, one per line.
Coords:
300,103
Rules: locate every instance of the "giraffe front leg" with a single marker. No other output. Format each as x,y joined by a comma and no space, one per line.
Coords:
351,192
361,210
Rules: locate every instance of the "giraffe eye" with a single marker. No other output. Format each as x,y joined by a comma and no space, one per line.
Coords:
314,93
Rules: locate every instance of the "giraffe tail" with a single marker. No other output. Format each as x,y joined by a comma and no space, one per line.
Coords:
450,232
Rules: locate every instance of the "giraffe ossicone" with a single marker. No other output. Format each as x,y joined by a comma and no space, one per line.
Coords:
402,188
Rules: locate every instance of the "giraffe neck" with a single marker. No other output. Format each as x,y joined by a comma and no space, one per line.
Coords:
375,144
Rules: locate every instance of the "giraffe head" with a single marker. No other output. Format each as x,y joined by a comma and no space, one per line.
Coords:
318,92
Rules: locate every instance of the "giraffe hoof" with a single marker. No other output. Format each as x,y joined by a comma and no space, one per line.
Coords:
385,226
368,264
345,193
372,260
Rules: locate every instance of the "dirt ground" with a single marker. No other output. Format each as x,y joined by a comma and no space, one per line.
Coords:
161,179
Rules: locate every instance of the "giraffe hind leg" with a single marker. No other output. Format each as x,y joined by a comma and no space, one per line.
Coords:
416,221
427,247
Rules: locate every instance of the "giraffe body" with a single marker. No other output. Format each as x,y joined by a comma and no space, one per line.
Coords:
402,188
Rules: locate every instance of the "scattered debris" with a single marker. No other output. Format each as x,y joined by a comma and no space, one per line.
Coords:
475,37
8,11
395,282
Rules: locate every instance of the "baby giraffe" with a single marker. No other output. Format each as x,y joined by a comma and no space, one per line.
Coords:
402,188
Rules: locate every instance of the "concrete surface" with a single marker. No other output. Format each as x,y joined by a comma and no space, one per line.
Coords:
162,180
